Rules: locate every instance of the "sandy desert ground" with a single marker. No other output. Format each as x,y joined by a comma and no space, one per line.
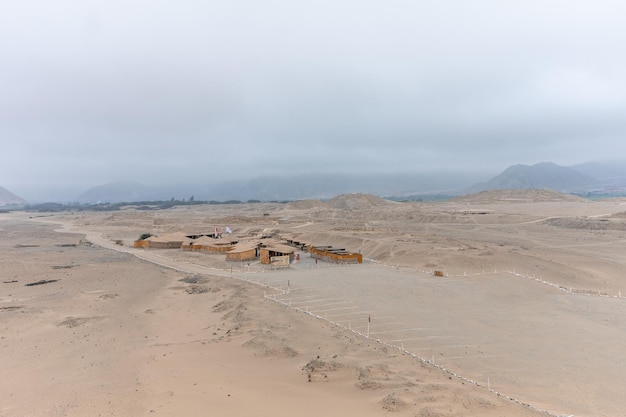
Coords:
529,319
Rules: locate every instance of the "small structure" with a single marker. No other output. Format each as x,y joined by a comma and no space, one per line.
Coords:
438,273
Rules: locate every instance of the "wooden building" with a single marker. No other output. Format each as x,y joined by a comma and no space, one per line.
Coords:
335,255
141,243
210,245
277,254
168,241
244,251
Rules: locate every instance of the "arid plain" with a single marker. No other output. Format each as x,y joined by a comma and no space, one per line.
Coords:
529,319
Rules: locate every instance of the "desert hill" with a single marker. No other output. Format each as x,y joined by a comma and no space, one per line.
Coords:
7,198
518,196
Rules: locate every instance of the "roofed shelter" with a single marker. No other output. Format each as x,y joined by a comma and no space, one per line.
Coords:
271,251
296,242
244,251
211,245
335,255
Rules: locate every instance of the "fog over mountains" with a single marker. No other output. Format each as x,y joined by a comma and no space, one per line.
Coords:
591,179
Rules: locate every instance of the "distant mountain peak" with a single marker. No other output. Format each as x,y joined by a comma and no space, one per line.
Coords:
543,176
7,198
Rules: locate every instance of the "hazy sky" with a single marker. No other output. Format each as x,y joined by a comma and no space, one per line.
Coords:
96,91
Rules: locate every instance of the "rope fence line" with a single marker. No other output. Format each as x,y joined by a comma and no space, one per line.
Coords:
568,290
425,361
429,362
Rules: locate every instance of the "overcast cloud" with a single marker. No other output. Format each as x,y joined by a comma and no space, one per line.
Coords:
163,91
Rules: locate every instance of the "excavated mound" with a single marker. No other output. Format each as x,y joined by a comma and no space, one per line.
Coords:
582,223
357,201
306,204
518,196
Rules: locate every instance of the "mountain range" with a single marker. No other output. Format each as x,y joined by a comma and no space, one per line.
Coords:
593,177
589,179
